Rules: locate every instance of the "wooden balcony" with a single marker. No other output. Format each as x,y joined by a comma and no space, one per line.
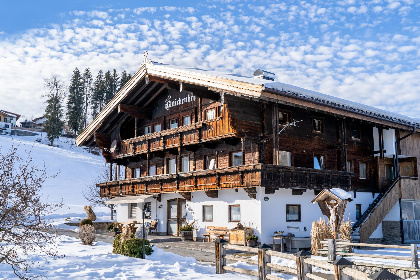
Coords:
173,138
272,177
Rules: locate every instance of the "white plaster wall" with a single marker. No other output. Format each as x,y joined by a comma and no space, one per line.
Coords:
394,214
250,210
273,212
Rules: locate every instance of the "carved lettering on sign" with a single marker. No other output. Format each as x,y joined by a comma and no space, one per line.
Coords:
169,103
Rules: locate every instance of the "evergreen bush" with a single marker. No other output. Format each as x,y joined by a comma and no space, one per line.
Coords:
132,247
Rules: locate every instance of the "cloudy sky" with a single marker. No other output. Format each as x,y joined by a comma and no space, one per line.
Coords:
360,50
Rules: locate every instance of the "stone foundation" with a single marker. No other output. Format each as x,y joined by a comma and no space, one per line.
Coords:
391,232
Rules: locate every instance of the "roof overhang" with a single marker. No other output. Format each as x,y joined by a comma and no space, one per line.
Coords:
128,199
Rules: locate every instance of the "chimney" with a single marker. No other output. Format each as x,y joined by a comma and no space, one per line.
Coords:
265,75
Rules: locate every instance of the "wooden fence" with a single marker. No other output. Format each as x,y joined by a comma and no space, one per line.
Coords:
340,269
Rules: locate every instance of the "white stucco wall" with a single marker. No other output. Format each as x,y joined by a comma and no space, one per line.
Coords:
264,216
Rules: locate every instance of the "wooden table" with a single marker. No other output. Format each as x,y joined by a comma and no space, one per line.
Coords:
282,238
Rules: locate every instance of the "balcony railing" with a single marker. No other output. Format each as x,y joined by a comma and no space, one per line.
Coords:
272,177
173,138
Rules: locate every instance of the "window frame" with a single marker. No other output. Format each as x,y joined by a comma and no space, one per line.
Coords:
230,213
170,123
358,211
147,128
299,212
152,167
323,162
183,119
206,113
365,170
354,127
204,214
132,214
149,215
349,166
231,158
170,160
183,165
207,159
155,125
321,120
389,167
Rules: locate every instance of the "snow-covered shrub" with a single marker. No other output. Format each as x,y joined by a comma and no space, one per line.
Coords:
116,245
87,234
86,222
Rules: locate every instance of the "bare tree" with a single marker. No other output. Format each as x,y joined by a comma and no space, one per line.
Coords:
93,194
23,228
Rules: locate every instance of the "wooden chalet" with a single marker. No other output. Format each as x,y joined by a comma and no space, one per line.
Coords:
221,149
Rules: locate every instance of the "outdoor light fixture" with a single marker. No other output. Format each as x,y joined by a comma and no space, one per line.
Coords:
266,198
145,209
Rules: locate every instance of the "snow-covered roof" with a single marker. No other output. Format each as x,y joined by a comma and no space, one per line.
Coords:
10,114
344,195
245,86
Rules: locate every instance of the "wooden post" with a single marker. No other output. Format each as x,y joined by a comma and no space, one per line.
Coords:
302,267
263,259
331,250
110,172
338,269
220,255
414,256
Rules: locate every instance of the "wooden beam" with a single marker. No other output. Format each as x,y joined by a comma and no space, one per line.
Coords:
212,193
103,140
155,95
186,195
135,111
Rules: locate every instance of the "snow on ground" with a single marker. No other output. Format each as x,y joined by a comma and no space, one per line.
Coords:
74,167
97,262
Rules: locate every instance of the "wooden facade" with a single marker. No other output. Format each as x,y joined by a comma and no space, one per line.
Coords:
177,131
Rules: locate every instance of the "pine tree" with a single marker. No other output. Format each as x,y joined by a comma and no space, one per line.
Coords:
98,94
108,87
54,112
75,102
124,79
87,90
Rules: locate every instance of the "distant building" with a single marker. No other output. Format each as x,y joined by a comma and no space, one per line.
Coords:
39,122
27,124
7,121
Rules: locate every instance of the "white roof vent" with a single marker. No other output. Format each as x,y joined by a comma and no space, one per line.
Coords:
265,75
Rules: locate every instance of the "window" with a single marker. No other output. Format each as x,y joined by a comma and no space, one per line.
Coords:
186,120
389,172
158,127
185,167
5,119
236,159
137,173
285,158
210,114
207,213
152,170
348,166
355,133
234,213
284,118
358,211
147,129
362,171
132,210
317,125
209,162
171,165
292,212
173,123
121,175
148,206
318,162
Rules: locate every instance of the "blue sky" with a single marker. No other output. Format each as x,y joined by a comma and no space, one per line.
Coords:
364,51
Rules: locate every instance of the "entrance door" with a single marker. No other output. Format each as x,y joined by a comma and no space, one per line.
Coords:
176,215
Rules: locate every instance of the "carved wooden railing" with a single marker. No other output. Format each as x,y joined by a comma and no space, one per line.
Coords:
272,177
186,135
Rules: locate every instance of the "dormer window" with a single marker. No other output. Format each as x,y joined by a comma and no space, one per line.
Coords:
317,125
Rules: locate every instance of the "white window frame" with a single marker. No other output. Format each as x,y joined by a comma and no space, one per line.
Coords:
185,163
173,123
210,114
147,129
186,118
158,127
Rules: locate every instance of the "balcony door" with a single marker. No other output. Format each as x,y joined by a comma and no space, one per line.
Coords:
176,215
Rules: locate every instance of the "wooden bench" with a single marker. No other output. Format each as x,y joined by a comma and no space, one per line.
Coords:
214,231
